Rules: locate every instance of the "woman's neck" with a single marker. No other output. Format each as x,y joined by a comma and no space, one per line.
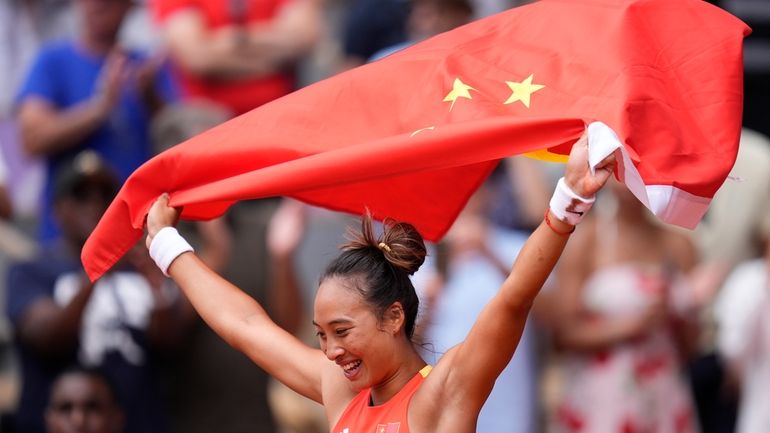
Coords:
384,391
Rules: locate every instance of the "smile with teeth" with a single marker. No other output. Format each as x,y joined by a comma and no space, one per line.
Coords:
351,366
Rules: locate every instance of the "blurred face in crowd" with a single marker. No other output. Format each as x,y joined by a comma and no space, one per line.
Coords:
82,403
78,213
101,19
431,17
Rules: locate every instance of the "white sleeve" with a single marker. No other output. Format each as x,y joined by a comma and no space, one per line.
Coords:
737,307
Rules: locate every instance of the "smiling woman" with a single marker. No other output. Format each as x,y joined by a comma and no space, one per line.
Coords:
366,307
368,375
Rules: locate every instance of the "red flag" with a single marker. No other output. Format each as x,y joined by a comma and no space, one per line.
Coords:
413,135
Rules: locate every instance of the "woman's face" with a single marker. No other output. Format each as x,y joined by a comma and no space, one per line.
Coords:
351,336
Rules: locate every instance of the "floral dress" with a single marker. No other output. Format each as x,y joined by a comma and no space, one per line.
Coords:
633,387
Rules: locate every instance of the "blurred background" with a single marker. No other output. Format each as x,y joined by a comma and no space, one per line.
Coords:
642,328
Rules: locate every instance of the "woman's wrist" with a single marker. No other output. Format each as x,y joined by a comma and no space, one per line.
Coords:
556,225
567,206
166,245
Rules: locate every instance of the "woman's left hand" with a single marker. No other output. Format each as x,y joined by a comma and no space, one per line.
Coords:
578,175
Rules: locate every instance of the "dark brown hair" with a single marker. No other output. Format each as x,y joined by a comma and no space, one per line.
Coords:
380,266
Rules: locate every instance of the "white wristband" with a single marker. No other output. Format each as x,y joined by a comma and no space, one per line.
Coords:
568,206
166,246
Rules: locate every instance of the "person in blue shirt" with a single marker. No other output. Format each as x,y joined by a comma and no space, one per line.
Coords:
88,93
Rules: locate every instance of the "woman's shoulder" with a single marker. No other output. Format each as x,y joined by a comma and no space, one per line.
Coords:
435,408
428,404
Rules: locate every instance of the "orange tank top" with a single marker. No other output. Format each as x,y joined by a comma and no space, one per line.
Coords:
390,417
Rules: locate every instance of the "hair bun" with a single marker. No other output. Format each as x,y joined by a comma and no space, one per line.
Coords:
400,243
405,248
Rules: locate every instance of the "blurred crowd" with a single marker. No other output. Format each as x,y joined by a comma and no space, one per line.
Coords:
642,329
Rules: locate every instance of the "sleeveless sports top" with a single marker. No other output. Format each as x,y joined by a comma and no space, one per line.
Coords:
389,417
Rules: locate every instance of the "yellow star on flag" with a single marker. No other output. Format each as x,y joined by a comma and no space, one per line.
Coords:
522,91
459,90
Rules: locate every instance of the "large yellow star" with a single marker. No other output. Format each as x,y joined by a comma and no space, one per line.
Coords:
522,91
459,90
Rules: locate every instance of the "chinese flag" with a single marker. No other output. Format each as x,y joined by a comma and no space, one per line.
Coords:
413,135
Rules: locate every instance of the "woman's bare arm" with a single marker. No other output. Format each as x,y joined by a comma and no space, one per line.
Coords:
239,319
478,361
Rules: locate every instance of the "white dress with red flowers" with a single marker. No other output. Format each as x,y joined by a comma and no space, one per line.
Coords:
633,387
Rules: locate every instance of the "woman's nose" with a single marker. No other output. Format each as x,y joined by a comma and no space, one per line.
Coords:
333,350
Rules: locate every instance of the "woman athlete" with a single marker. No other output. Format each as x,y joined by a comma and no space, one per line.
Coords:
368,375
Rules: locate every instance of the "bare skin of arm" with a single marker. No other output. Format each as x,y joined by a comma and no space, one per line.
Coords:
284,237
452,396
46,130
232,53
245,325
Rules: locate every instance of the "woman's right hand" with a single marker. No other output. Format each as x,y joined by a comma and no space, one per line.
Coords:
578,174
161,215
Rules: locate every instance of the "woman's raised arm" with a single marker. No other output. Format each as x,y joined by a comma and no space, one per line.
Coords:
236,316
471,368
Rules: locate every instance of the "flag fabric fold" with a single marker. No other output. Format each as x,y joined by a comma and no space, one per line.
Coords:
413,135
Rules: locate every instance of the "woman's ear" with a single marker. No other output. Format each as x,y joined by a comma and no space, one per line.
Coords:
394,318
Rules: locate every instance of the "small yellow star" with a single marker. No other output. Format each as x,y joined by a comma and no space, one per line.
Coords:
522,91
459,90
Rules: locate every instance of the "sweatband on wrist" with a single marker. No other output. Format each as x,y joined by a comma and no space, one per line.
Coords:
166,246
567,206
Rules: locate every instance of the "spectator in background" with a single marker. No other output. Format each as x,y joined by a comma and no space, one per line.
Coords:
454,290
371,26
118,324
743,335
620,315
83,400
24,26
429,18
731,233
237,54
87,93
